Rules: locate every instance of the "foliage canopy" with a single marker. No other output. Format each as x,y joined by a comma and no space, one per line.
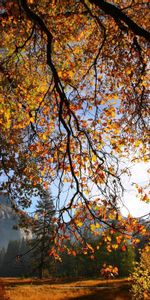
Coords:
74,103
141,276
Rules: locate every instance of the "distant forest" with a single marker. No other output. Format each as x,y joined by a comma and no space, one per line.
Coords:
18,261
31,256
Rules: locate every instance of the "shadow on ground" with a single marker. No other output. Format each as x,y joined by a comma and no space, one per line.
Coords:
102,290
2,291
121,293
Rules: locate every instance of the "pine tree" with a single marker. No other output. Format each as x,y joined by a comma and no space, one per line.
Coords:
2,255
10,263
24,258
43,229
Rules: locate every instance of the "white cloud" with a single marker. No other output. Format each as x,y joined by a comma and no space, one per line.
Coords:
140,176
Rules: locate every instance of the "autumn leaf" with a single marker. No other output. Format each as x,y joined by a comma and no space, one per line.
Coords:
73,109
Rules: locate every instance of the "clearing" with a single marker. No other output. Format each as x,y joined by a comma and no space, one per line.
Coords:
50,289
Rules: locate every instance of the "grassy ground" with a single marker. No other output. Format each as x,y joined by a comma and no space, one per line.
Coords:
32,289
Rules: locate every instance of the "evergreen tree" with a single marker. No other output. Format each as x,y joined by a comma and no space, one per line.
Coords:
43,229
89,265
10,264
16,259
2,255
24,258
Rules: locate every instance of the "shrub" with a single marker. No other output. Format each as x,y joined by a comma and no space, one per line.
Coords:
141,276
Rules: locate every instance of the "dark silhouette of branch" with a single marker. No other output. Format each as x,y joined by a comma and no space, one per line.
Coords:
118,15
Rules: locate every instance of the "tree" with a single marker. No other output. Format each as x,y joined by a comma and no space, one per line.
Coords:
77,263
141,276
74,103
2,255
43,230
9,265
25,258
12,262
